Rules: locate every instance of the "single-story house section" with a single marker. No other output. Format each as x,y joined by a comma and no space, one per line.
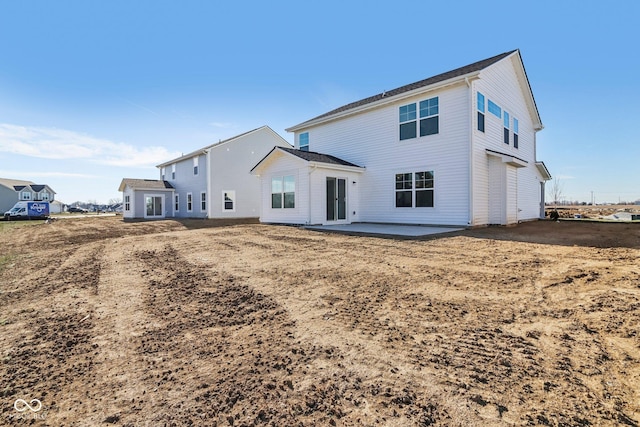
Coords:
454,149
146,198
292,180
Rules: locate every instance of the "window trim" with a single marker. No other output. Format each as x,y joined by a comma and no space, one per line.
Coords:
516,132
494,108
189,202
176,202
232,197
203,201
283,194
411,186
505,123
480,125
304,147
173,171
195,166
429,115
127,202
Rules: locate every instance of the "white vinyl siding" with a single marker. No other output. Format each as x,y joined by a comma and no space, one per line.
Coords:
501,84
373,144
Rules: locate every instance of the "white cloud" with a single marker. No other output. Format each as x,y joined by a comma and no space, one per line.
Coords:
51,143
36,174
221,125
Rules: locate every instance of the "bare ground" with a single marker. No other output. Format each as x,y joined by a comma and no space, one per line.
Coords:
202,323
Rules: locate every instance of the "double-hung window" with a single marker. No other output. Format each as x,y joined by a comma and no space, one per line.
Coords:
505,119
414,189
195,166
189,202
176,202
408,121
283,192
429,117
203,202
127,203
162,173
515,133
303,141
428,110
480,104
173,171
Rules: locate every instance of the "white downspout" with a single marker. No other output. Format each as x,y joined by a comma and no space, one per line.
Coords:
470,222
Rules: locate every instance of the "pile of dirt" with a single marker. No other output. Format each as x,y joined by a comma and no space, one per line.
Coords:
173,323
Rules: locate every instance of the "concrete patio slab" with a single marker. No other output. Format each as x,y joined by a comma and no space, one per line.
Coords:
385,229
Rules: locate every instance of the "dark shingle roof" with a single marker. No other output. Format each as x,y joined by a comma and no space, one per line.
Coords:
312,156
476,66
37,188
145,183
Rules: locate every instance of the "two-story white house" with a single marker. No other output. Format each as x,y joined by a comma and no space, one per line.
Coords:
14,190
211,182
458,148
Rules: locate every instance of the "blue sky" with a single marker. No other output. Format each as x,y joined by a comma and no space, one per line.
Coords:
94,91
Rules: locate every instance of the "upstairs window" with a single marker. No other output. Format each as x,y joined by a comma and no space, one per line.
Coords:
495,109
195,166
173,171
25,195
429,117
408,121
44,196
303,141
162,173
506,127
515,133
480,106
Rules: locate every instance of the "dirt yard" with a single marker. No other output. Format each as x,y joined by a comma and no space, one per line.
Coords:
195,323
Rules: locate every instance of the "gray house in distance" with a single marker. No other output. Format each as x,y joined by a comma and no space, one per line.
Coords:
14,190
211,182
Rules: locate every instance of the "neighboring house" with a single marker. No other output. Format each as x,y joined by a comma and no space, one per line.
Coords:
458,148
212,182
13,191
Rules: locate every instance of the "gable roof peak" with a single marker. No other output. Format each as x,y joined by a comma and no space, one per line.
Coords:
387,94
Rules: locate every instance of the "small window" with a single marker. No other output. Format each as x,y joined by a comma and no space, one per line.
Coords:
44,196
506,127
127,203
429,117
203,202
26,195
495,109
173,171
229,201
515,133
176,202
408,121
162,173
303,141
480,105
189,202
195,166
